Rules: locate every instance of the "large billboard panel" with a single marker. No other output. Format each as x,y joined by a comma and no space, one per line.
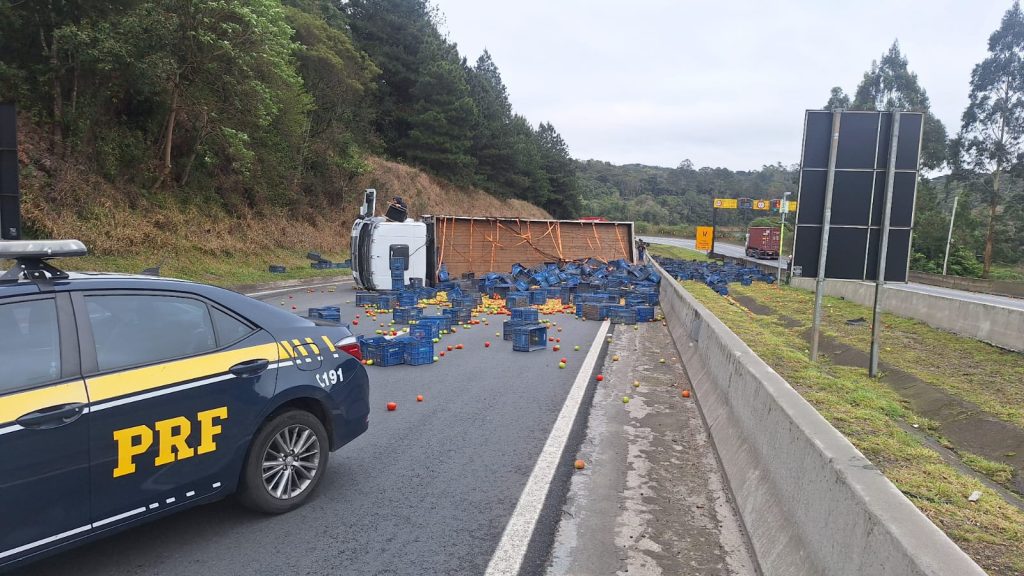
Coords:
858,194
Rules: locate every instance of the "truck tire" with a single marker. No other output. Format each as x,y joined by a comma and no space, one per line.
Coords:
287,459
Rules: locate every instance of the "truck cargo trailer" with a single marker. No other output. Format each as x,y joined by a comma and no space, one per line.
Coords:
763,243
462,245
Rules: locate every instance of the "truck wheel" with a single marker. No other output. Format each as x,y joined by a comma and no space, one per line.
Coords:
286,461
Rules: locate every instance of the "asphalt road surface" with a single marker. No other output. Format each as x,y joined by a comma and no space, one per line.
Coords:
427,490
735,251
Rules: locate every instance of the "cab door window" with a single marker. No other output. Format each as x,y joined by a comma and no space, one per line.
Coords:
138,329
29,344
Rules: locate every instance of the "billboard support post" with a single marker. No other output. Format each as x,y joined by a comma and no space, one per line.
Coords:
883,248
784,209
819,282
714,229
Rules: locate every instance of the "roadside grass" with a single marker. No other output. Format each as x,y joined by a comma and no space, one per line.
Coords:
665,251
971,370
998,472
672,231
872,415
1007,272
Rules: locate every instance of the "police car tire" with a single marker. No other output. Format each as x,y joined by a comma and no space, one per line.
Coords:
252,492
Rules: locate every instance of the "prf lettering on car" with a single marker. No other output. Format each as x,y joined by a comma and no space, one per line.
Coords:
172,439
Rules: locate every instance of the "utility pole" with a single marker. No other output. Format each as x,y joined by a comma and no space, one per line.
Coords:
783,209
949,236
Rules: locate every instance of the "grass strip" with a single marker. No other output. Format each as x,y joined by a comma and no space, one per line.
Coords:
872,415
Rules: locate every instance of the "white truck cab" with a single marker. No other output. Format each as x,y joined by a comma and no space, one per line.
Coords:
375,240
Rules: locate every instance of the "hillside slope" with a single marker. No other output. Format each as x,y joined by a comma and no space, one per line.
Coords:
212,239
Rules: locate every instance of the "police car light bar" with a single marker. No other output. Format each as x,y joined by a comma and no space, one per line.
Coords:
40,249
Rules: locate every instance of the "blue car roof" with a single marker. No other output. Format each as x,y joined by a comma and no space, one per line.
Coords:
259,312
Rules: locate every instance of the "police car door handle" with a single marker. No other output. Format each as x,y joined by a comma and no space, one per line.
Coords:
250,368
52,416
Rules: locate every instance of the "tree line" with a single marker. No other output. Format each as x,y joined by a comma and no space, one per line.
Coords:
984,159
271,100
982,165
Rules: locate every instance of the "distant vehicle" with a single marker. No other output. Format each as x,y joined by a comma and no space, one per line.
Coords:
127,398
441,248
763,243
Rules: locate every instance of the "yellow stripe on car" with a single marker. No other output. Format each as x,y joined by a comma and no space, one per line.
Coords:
149,377
14,406
330,345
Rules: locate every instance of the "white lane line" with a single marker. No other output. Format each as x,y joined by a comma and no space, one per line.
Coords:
296,288
508,557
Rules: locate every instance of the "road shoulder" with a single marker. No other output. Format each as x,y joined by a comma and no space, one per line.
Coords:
652,498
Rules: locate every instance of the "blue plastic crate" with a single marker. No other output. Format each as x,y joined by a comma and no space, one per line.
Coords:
397,263
383,351
458,315
531,315
332,313
517,300
566,293
530,337
645,313
418,351
508,329
386,301
366,299
538,297
407,298
426,293
444,323
397,281
595,311
622,315
404,315
428,330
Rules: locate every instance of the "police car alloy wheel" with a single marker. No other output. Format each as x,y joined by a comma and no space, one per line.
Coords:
291,461
286,461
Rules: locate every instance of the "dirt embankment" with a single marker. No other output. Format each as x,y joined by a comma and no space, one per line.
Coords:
125,226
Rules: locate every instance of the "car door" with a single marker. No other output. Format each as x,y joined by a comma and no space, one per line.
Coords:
44,427
176,385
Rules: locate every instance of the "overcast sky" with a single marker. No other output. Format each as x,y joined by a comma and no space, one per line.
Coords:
723,83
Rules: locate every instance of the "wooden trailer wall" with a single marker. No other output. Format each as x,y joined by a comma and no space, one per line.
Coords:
482,245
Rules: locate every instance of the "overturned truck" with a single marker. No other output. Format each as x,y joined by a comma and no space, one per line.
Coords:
457,246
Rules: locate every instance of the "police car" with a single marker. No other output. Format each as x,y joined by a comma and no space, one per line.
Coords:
126,398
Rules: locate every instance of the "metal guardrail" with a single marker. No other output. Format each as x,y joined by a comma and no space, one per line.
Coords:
996,287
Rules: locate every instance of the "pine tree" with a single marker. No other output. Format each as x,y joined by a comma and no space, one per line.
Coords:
564,201
992,133
491,149
442,120
890,85
402,40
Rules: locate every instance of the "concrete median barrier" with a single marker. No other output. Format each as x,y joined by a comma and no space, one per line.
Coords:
811,502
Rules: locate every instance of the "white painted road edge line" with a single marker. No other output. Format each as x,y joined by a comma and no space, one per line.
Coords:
508,557
296,288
